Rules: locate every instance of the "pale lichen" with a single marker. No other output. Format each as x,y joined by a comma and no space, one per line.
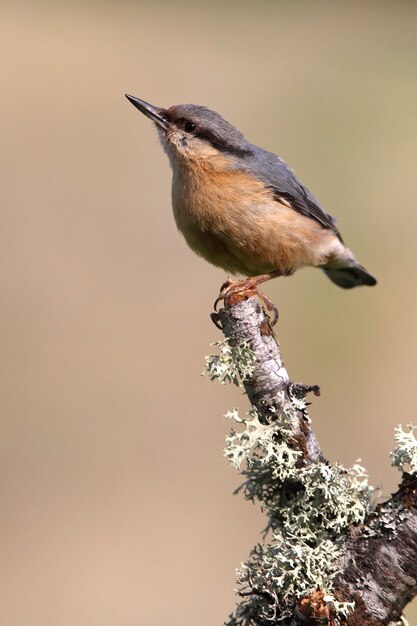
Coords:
260,444
404,455
233,364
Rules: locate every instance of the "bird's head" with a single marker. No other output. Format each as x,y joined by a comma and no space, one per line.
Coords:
190,133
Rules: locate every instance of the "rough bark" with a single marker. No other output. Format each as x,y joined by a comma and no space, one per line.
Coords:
380,572
378,568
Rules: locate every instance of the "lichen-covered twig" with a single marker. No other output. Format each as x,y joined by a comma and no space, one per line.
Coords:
268,386
329,556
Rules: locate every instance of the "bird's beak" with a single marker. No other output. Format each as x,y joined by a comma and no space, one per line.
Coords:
154,113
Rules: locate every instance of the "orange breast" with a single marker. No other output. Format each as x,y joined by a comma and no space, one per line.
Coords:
233,221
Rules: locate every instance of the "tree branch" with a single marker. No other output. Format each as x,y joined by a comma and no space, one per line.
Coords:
310,505
269,388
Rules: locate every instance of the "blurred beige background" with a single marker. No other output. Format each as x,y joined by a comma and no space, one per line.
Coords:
116,502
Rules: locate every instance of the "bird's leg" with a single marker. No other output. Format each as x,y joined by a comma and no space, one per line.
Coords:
248,287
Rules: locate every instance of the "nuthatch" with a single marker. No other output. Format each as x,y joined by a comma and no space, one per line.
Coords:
242,208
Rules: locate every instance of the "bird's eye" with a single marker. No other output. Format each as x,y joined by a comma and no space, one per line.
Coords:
189,127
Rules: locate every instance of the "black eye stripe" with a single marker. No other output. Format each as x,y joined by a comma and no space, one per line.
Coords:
219,143
208,135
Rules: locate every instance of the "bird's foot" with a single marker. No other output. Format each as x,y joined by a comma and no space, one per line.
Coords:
233,291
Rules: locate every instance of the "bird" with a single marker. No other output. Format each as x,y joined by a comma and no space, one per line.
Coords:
242,208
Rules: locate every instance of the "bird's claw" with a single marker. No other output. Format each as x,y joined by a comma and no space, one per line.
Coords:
223,293
244,289
215,318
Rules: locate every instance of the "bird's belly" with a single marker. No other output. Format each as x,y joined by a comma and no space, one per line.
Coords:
249,233
223,243
222,252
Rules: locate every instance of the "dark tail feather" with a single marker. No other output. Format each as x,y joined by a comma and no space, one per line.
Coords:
348,277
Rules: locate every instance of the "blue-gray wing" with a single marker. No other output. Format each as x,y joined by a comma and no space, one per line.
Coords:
269,168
